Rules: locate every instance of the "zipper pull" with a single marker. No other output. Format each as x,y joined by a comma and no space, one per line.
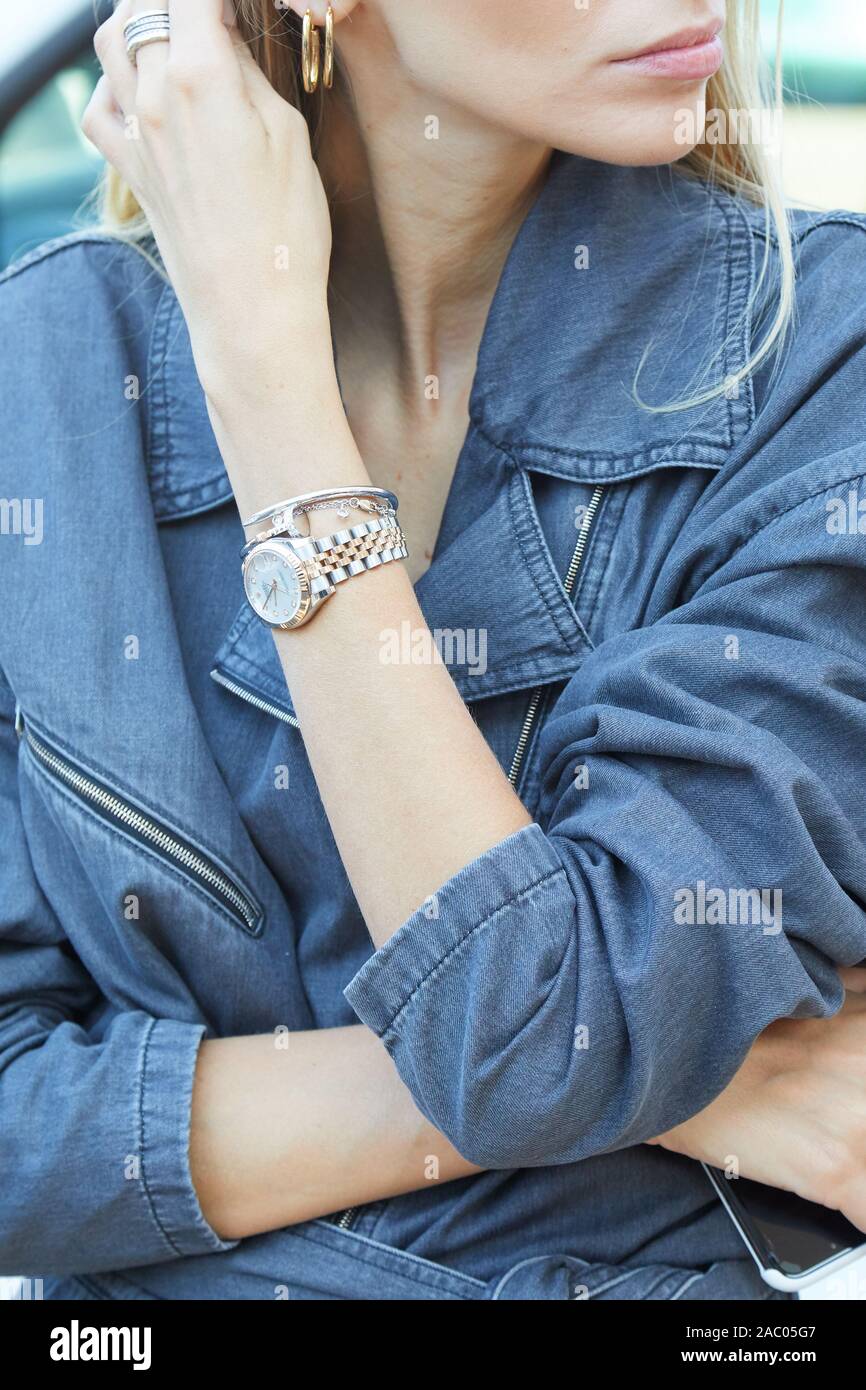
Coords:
19,720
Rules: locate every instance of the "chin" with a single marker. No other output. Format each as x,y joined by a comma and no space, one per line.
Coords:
648,135
649,152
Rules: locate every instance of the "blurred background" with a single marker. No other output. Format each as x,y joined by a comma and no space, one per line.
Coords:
47,73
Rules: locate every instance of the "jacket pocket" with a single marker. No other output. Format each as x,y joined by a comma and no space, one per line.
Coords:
567,1278
116,810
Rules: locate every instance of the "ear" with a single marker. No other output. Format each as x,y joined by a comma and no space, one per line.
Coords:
319,8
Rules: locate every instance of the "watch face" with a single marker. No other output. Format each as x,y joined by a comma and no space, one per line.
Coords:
274,584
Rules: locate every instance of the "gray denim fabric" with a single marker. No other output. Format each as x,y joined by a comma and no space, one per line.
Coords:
701,721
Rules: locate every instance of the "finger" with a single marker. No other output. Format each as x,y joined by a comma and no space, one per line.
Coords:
198,31
257,84
264,96
202,60
103,124
152,58
110,47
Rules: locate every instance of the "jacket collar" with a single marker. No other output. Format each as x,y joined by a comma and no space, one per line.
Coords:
668,264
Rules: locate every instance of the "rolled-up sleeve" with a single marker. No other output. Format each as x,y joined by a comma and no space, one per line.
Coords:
699,869
94,1127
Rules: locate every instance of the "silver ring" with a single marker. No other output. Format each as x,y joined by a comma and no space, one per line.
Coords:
153,26
146,17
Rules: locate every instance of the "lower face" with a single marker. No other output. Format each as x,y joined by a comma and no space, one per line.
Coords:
566,73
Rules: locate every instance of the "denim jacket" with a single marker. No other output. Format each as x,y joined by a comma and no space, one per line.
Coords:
658,620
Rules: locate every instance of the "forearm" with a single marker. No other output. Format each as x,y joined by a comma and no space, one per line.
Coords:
794,1116
290,1127
419,795
410,787
412,794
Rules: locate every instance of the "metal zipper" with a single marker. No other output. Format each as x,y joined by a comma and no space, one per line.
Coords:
113,807
568,585
255,700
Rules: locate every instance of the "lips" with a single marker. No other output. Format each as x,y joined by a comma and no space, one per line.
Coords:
689,55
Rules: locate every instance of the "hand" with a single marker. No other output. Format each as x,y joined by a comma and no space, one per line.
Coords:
221,166
794,1116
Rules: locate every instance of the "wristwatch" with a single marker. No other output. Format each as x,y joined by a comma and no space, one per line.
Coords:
288,578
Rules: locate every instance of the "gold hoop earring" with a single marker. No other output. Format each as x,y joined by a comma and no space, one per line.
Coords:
310,51
328,75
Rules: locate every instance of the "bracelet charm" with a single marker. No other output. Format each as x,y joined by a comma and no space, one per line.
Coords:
375,500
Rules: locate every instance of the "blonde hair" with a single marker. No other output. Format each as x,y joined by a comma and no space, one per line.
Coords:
746,169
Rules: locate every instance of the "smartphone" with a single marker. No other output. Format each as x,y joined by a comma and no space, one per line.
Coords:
793,1242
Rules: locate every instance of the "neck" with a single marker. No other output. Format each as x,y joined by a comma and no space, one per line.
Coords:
422,226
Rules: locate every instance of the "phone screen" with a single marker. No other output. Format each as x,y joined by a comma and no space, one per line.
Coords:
788,1233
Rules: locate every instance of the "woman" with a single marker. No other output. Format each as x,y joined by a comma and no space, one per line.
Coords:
630,684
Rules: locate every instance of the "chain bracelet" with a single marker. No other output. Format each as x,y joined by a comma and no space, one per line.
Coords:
358,504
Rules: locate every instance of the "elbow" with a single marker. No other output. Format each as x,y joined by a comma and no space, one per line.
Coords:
497,1133
507,1117
498,1145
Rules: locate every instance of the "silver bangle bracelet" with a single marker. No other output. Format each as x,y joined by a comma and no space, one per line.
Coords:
382,516
285,512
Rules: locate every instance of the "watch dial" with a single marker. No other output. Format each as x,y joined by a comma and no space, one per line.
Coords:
272,586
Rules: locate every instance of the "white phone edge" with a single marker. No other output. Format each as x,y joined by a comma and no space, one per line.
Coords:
786,1283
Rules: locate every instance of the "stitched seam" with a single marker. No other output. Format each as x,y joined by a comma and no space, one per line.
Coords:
157,389
687,1285
383,1248
612,1283
142,1142
258,670
779,516
562,598
745,308
397,1273
673,454
165,332
628,474
57,244
467,936
158,372
552,614
518,1268
839,219
728,283
688,439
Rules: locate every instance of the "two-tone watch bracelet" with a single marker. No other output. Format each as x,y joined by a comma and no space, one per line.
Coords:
328,560
346,553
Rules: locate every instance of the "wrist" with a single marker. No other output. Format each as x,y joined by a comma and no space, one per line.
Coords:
257,361
296,387
280,448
